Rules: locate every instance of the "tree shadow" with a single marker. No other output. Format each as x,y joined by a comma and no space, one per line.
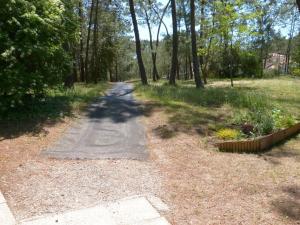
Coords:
117,109
286,149
289,204
32,118
185,119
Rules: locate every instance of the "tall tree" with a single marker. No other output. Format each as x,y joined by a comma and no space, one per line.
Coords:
147,8
160,17
138,44
291,36
81,60
174,62
197,76
88,41
95,63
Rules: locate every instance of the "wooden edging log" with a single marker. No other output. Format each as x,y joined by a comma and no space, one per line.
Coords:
261,143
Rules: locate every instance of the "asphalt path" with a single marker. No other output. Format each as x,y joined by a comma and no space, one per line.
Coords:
109,130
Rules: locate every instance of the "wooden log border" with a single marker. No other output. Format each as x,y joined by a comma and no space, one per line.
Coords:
259,144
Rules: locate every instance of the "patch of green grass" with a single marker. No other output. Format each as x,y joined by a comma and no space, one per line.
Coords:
218,104
57,103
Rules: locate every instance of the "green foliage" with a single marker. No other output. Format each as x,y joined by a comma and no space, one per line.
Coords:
249,64
56,103
263,122
296,72
248,105
228,134
282,120
34,39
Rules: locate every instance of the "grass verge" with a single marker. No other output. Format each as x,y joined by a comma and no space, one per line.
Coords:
218,105
57,104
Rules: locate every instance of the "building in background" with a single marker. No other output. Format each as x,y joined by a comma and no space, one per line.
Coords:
276,62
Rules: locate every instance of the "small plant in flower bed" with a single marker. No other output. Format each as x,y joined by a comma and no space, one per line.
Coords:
257,123
282,120
228,134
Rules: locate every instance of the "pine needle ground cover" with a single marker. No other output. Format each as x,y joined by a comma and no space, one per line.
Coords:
201,183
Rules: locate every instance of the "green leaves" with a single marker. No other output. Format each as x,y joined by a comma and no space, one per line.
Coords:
33,36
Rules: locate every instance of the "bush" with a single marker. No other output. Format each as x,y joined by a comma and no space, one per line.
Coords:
249,64
282,120
296,72
33,50
260,121
228,134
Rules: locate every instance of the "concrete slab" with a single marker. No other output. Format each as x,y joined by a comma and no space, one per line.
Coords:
156,221
90,216
6,217
158,203
2,199
131,211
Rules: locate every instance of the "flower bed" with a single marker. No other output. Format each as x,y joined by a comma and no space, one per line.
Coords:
261,143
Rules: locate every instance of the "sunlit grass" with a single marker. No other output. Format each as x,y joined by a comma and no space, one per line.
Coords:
218,104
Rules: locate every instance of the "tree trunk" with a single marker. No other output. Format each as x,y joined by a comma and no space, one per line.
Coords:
187,36
158,31
202,20
175,45
95,63
138,44
154,68
197,76
288,52
116,71
231,59
88,42
205,70
110,74
262,43
81,60
191,68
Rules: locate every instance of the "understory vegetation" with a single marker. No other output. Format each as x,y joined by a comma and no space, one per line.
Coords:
55,103
252,108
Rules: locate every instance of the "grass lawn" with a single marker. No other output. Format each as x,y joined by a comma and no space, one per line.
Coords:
57,104
218,105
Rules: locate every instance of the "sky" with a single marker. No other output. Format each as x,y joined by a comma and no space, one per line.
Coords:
144,34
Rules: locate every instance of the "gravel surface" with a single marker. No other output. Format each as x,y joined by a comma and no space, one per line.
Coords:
34,185
39,187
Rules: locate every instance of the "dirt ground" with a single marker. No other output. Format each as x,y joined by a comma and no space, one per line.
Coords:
34,185
205,186
200,184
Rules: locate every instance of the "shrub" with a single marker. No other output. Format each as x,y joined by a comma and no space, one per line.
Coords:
228,134
282,120
259,120
33,50
296,72
249,64
264,123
